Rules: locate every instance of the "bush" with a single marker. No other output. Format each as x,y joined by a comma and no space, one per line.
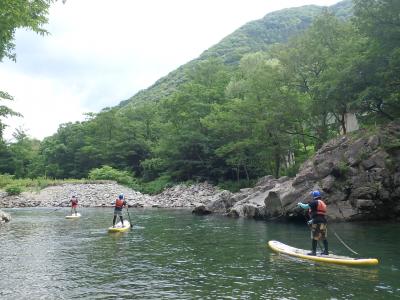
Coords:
14,190
156,186
5,179
109,173
235,186
152,168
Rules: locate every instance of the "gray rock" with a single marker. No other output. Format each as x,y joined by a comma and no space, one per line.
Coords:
201,210
4,217
327,183
364,203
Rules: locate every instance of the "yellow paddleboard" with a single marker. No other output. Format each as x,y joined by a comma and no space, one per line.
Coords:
331,258
118,227
73,216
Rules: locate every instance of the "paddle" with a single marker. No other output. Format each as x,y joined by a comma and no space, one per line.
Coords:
55,209
129,216
344,244
338,237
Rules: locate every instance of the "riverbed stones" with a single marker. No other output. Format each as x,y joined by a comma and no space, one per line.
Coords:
104,193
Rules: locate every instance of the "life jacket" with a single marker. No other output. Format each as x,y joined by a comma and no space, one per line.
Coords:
119,203
321,209
74,202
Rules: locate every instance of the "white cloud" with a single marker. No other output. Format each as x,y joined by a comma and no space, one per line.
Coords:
100,52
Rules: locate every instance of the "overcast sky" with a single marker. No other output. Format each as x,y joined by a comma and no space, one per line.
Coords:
100,52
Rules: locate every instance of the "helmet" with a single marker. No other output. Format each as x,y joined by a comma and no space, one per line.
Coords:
121,196
316,194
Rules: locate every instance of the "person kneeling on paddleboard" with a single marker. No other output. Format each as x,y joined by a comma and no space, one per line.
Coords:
74,204
317,211
119,204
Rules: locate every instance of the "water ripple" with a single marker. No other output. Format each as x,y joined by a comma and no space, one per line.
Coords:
174,255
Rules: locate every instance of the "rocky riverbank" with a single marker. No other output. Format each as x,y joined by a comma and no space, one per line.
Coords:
104,193
359,175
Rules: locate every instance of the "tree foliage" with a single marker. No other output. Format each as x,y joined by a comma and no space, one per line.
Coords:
29,14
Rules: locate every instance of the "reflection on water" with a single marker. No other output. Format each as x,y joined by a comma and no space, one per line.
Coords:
171,254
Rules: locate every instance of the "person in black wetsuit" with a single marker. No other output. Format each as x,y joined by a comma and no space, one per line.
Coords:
318,224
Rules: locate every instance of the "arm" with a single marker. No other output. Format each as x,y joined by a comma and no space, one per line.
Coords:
303,206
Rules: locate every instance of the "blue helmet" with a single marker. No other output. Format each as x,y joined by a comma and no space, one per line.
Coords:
121,196
316,194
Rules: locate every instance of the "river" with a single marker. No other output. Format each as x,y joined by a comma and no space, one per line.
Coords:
172,254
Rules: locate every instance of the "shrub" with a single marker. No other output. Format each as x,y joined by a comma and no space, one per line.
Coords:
156,186
13,190
5,179
343,169
109,173
235,186
152,168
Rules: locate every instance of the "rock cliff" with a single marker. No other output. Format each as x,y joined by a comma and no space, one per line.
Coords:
358,174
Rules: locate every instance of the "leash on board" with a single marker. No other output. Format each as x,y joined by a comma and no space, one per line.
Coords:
344,244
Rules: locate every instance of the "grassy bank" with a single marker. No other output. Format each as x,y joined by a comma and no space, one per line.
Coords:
13,186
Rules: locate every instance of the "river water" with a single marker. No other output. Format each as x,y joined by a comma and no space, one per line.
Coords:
172,254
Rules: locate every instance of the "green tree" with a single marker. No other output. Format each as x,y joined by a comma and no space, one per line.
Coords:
252,127
314,62
24,152
29,14
184,144
379,73
5,112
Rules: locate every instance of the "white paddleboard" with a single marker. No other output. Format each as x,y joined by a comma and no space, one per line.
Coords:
331,258
73,216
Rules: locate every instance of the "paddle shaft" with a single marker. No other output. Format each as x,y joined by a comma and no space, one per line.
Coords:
344,244
129,216
55,209
338,237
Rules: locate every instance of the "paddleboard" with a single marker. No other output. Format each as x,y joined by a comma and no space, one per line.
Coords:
73,216
331,258
118,227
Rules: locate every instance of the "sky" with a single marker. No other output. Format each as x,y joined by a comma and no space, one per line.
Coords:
100,52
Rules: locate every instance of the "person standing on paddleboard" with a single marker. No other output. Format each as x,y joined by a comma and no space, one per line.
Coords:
119,204
74,204
317,211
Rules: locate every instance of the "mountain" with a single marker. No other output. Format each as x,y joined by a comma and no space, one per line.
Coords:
259,35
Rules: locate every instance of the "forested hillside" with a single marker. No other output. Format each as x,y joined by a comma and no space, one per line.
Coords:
260,102
259,35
